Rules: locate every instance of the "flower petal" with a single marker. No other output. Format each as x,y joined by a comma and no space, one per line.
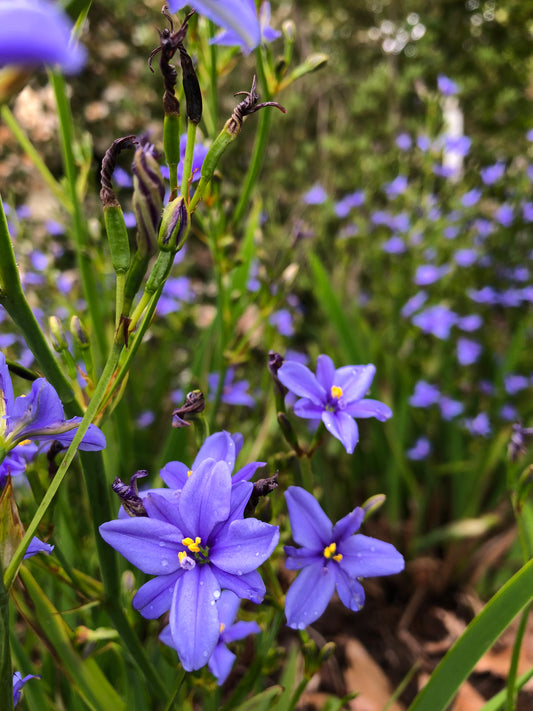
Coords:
369,408
227,606
307,409
301,381
7,397
154,598
37,546
298,558
343,427
150,545
221,662
193,618
239,630
163,507
365,557
220,447
310,526
247,471
350,590
175,474
205,499
309,594
349,524
325,372
355,380
244,546
249,586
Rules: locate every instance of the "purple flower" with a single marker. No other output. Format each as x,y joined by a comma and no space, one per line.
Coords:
37,417
237,17
316,195
349,202
403,141
449,409
508,413
470,323
197,543
471,198
37,32
394,245
427,274
396,187
513,383
504,215
414,303
331,557
466,257
424,395
218,447
479,425
492,173
446,86
460,145
37,546
451,231
19,683
420,450
282,321
222,660
423,142
232,393
436,320
527,211
335,396
468,351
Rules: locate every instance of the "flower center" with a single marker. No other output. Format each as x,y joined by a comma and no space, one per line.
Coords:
329,553
222,627
199,554
336,392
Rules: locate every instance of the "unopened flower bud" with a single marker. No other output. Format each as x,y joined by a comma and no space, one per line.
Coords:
174,226
148,194
59,342
79,332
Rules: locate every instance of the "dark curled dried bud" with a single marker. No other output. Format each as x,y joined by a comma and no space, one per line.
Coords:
191,87
194,404
107,194
129,494
262,487
248,106
275,361
169,42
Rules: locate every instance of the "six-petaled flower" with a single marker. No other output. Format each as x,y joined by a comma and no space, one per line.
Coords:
330,557
336,396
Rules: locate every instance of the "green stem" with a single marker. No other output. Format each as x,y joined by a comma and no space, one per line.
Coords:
81,237
179,681
92,409
6,672
36,159
187,162
512,690
261,140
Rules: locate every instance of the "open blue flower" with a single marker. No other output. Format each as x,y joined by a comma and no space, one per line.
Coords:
218,447
39,417
197,543
222,660
37,32
331,557
335,396
19,683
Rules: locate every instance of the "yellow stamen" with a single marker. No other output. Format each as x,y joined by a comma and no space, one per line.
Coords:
330,550
336,392
189,472
182,555
24,441
222,627
337,557
193,546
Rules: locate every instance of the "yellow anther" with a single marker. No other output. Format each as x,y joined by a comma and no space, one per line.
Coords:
24,441
193,546
222,627
330,550
336,392
182,555
337,558
189,472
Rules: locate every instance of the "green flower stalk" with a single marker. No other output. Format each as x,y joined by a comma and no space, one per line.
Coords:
229,133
